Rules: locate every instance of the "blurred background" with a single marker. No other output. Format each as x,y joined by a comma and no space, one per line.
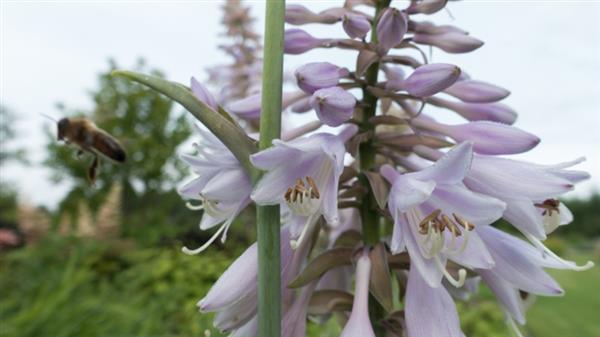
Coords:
77,260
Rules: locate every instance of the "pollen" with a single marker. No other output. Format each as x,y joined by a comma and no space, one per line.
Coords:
303,198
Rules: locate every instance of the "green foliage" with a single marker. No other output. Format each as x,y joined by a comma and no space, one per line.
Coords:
7,135
587,218
147,126
65,287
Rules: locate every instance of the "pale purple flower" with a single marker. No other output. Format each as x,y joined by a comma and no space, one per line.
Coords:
297,41
487,137
494,112
391,28
318,75
529,190
434,216
395,78
202,94
303,174
450,42
359,324
221,185
429,311
356,26
334,105
296,14
427,27
473,91
430,79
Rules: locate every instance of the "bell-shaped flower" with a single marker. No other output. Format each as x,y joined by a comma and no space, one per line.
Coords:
334,105
298,41
487,137
202,93
529,190
430,79
429,311
234,295
450,42
303,174
434,217
221,185
494,112
359,324
356,26
477,91
319,75
391,28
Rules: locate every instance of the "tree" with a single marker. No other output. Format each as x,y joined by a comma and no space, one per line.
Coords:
149,129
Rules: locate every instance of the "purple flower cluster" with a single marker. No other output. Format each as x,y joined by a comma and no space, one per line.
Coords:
437,189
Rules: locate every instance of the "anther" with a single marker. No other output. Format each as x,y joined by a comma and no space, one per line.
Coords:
426,222
463,223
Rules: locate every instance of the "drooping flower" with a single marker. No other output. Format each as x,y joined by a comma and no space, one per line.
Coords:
359,324
473,91
434,216
450,42
221,185
430,79
495,112
303,174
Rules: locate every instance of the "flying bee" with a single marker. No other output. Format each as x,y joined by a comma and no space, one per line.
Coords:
90,138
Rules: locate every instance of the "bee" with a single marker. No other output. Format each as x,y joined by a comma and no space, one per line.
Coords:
90,138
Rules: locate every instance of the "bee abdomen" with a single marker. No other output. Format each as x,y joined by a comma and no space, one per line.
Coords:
109,147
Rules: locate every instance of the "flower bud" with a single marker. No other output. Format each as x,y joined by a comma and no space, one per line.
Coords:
359,324
493,138
299,15
318,75
426,6
451,42
391,28
334,105
297,41
427,27
477,91
495,112
202,94
356,26
303,105
430,79
249,107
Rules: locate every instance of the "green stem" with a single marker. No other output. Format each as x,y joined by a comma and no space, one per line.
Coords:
369,217
267,217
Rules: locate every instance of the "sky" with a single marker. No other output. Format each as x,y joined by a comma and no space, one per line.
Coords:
547,53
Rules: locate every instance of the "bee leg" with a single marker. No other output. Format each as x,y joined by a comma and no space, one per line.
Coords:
93,171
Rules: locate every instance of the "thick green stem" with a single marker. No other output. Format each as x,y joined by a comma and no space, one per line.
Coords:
369,217
267,217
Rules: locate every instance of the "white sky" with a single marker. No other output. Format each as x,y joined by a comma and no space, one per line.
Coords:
546,52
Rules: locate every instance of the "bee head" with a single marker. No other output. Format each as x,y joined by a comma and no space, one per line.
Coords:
63,126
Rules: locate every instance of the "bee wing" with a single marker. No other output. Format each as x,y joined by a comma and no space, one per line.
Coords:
108,146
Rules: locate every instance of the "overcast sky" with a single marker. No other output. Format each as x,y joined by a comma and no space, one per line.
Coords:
546,52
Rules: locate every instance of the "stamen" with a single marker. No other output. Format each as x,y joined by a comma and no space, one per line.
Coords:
568,264
462,274
425,223
463,223
193,207
549,206
513,325
309,225
198,250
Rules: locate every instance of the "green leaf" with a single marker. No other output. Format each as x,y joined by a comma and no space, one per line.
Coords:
232,136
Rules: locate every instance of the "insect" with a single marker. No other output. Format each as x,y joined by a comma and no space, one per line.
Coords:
89,138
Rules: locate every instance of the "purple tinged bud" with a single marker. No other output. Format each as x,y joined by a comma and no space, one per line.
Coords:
495,112
430,79
359,324
493,138
318,75
391,28
356,26
334,105
303,105
249,107
297,41
452,42
203,95
299,15
426,6
427,27
477,91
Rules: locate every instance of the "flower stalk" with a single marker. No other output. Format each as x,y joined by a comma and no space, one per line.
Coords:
268,217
